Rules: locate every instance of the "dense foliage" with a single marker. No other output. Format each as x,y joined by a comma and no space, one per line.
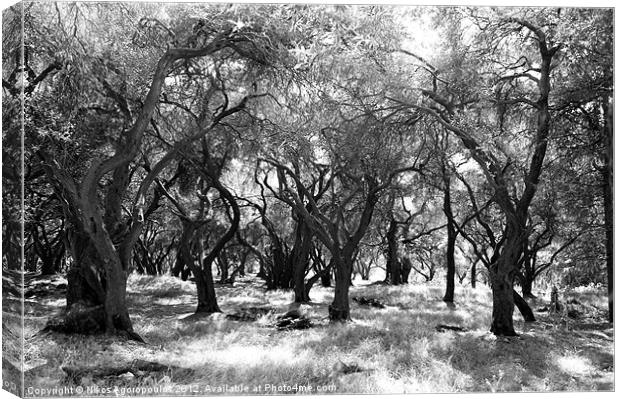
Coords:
307,144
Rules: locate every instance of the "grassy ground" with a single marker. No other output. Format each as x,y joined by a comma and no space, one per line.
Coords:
398,348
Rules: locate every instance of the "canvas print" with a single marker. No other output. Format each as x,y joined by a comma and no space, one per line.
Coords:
204,199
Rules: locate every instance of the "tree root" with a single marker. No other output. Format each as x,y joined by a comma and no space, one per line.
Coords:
87,320
80,319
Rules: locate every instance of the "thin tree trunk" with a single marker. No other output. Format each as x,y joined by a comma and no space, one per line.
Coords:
451,244
179,264
393,267
300,259
473,275
527,276
526,285
242,262
405,269
523,307
312,280
224,265
308,286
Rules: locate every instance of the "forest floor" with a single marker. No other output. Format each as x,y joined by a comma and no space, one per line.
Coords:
395,349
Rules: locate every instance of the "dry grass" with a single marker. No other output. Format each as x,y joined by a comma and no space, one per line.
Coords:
397,347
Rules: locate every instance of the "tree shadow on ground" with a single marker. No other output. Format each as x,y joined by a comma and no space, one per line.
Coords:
538,360
153,307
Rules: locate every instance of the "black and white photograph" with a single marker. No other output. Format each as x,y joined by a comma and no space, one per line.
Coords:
250,199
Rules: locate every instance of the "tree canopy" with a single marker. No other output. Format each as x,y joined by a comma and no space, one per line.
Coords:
306,143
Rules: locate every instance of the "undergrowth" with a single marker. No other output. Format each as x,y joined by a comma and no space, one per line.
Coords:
397,349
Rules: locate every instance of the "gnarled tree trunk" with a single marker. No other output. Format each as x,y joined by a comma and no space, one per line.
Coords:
503,305
339,309
515,211
207,300
205,289
95,298
502,273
